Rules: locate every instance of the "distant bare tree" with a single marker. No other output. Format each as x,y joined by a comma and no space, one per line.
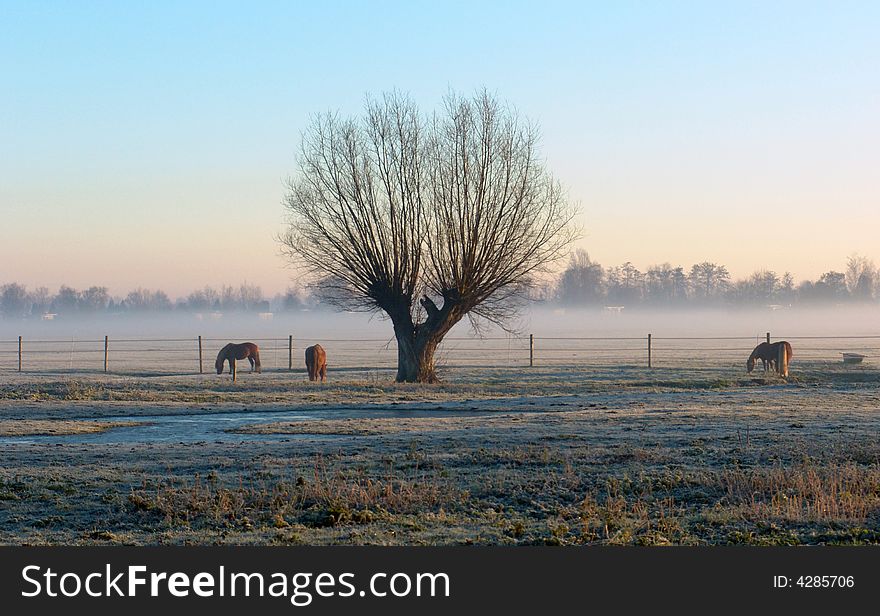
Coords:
831,286
229,297
294,298
200,300
67,300
625,284
40,300
680,285
94,299
786,288
660,283
13,300
582,281
762,287
861,277
708,280
143,300
212,298
397,212
250,296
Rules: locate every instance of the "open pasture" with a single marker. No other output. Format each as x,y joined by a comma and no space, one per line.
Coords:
560,453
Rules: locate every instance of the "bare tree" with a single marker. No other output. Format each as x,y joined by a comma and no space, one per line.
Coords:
13,300
40,300
426,218
762,287
94,299
861,277
625,284
251,296
67,300
660,283
294,298
582,282
709,280
143,300
831,286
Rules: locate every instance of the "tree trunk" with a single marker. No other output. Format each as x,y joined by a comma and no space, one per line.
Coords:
417,342
415,358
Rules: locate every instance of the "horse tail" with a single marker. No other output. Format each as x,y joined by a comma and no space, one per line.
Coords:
788,356
783,357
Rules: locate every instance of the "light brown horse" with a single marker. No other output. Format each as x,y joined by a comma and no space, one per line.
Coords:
316,362
769,354
231,352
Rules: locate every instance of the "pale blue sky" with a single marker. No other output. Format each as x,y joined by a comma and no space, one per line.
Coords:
137,137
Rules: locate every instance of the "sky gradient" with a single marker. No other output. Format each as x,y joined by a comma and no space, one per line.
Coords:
146,144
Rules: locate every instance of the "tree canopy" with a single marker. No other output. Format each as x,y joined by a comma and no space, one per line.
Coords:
426,217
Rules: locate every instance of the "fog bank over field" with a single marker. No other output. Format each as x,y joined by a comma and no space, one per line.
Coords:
540,320
813,321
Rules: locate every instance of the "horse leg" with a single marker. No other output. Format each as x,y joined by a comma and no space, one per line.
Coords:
323,373
251,360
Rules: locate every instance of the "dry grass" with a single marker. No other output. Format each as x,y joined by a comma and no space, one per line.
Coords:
327,498
37,427
806,493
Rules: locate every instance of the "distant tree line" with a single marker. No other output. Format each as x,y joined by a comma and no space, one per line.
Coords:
17,301
585,282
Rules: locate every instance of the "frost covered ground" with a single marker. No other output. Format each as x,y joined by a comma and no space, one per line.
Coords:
565,454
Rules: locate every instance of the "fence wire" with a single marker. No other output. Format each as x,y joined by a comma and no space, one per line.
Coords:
181,355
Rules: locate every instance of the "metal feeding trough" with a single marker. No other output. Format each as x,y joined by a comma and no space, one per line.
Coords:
852,358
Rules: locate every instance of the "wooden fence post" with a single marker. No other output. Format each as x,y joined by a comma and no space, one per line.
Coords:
290,352
19,353
649,350
106,350
200,356
768,337
531,350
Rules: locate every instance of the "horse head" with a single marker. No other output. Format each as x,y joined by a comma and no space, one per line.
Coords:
221,358
750,364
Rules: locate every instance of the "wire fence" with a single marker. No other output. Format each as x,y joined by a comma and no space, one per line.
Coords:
197,354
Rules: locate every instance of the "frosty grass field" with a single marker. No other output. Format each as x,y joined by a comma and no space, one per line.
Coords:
565,452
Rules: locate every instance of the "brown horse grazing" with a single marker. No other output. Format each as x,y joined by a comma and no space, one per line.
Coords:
769,354
231,352
316,362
